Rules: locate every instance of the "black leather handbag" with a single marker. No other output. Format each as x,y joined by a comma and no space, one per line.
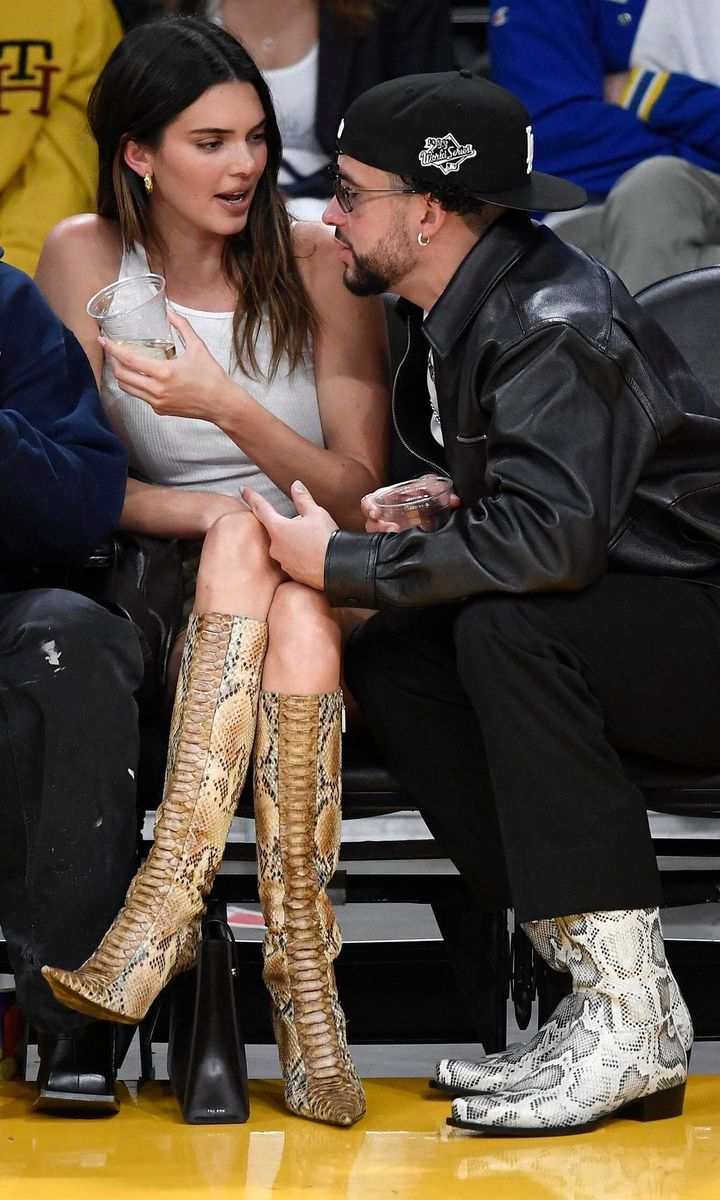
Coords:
206,1060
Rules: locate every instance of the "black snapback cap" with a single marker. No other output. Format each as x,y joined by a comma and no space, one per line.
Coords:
456,128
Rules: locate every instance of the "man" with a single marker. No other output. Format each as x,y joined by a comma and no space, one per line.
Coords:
68,674
626,117
569,607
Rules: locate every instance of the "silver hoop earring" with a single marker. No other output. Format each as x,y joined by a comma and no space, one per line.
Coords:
422,240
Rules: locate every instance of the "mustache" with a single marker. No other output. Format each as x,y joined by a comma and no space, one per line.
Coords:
343,241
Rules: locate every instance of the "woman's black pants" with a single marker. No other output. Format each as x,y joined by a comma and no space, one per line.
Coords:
68,757
505,718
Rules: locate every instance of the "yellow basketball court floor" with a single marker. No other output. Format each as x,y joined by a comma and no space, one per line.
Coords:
401,1150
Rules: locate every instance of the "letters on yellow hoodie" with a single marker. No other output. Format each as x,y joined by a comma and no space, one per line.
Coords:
51,52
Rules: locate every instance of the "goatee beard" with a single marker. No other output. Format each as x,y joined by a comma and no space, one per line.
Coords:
366,281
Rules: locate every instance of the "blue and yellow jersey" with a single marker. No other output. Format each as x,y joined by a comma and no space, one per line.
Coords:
556,54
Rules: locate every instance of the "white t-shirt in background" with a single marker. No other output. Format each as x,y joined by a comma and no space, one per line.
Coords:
681,36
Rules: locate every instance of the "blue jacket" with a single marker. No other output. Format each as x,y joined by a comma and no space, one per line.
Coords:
554,55
62,470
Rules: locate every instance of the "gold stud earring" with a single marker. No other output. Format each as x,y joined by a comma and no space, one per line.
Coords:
148,181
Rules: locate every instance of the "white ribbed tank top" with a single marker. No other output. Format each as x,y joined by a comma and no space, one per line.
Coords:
196,455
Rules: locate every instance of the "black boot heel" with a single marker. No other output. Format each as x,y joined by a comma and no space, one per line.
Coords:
657,1107
77,1072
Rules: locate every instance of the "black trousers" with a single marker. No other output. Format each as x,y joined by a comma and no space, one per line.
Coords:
503,717
68,758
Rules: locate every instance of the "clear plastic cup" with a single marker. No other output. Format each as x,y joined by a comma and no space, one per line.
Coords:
422,503
133,312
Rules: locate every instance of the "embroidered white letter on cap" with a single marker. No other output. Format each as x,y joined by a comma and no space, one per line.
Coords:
530,147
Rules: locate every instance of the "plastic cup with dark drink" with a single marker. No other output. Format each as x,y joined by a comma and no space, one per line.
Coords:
423,503
133,312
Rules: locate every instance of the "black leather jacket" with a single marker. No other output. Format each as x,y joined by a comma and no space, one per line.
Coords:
576,436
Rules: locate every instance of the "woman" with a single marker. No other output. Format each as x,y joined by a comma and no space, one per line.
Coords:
296,386
317,56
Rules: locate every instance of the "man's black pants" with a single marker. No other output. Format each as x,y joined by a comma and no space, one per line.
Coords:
68,757
503,716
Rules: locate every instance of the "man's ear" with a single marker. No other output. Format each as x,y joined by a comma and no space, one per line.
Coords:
433,218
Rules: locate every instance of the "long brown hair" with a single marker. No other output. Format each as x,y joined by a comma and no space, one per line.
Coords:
155,73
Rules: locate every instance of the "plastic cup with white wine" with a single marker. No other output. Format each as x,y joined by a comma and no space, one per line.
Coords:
133,313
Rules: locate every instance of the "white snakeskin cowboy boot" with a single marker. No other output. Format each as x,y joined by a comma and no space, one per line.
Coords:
460,1077
496,1072
154,936
297,818
619,1054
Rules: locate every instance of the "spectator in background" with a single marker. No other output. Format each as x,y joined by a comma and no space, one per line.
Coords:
50,57
690,45
642,137
317,56
68,674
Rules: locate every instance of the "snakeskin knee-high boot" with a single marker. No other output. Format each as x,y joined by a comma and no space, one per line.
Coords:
154,936
297,815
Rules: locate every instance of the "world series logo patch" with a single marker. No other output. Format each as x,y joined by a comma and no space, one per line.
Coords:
445,153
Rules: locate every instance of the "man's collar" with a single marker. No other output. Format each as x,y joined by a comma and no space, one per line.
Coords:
503,244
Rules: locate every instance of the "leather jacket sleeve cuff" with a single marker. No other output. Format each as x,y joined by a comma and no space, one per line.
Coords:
350,569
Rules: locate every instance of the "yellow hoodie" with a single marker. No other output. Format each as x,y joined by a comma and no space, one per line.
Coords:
51,52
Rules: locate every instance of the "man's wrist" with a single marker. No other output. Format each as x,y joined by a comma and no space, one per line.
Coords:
349,574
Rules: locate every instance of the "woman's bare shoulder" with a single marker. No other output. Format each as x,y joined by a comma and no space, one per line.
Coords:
317,257
314,245
87,245
80,255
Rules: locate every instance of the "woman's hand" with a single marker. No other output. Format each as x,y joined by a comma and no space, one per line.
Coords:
191,385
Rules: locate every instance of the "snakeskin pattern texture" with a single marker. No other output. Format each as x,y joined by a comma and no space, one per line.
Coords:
297,818
154,936
505,1069
619,1051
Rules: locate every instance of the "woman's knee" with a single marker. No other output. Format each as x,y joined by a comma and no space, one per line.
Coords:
301,621
237,546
